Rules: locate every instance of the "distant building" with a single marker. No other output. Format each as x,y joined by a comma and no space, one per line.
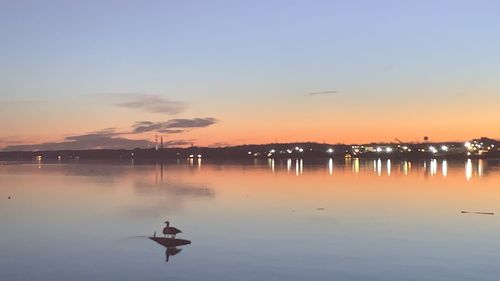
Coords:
382,148
357,150
482,146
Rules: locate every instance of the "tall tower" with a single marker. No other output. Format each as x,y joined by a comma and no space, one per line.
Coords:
156,142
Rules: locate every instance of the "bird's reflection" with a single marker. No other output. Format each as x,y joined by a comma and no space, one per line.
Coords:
171,251
171,245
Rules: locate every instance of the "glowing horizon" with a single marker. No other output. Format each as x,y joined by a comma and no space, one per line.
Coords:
248,72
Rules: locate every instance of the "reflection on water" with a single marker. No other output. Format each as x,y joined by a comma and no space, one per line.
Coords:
468,169
171,247
299,166
171,251
270,163
290,219
472,167
444,168
355,165
433,167
406,167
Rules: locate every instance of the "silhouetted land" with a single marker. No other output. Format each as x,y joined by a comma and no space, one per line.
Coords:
486,148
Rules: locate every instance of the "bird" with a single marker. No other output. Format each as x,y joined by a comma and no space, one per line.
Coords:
169,230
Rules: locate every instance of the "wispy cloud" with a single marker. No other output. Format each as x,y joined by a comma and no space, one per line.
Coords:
148,103
104,139
8,140
323,93
171,131
21,101
219,144
111,138
170,143
173,125
94,141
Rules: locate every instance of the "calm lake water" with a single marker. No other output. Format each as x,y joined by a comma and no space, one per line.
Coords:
267,220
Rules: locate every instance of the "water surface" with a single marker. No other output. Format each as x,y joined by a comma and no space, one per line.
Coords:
264,220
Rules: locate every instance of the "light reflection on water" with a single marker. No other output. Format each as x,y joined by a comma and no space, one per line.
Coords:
287,219
433,167
355,166
444,168
406,167
468,169
472,167
330,166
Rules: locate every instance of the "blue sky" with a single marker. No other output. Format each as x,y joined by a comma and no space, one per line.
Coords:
226,58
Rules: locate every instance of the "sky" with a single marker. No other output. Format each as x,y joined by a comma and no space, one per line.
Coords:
112,74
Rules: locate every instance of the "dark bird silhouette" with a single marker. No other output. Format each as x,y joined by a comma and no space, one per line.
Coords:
171,251
170,230
170,243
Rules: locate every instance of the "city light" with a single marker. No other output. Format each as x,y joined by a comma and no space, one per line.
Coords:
388,150
433,149
444,148
330,150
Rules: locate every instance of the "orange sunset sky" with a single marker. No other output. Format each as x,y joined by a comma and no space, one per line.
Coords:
107,76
